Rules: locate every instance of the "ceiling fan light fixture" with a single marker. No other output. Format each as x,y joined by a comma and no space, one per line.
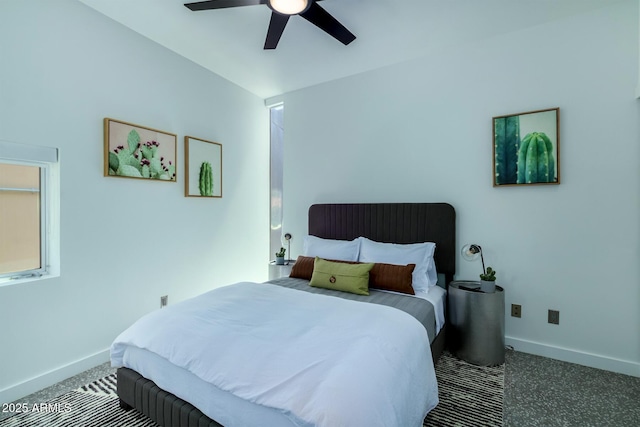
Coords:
289,7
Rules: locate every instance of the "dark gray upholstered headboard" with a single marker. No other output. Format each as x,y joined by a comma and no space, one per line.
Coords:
391,223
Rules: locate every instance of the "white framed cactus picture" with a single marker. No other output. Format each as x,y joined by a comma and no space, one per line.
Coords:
134,151
526,148
203,166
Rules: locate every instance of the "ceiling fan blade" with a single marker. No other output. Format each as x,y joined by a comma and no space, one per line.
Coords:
323,20
276,27
221,4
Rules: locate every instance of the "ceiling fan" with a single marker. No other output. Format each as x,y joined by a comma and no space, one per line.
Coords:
281,10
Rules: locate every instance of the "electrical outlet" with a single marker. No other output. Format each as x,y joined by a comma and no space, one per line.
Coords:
554,317
164,300
516,310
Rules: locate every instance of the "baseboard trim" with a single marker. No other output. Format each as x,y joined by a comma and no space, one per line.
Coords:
620,366
25,388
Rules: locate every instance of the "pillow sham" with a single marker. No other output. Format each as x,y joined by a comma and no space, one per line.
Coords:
344,250
420,254
341,276
302,268
390,277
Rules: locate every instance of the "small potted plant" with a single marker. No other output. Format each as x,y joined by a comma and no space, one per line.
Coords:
488,280
280,256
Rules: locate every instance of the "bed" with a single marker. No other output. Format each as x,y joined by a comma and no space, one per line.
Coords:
148,381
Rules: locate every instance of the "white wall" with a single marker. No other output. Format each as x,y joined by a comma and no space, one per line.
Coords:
124,242
422,132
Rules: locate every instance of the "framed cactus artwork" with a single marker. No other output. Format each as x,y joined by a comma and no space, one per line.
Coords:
134,151
526,148
203,166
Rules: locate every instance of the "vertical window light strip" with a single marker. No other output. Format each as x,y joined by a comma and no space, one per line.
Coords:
276,177
27,211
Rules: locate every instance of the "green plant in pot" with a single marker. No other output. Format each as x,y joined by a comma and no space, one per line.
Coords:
488,280
280,256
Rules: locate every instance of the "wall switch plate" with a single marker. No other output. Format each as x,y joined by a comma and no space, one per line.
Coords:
516,310
164,300
554,317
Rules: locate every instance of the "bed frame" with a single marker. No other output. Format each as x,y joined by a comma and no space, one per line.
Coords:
382,222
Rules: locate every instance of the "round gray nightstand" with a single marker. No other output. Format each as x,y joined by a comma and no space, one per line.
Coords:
476,323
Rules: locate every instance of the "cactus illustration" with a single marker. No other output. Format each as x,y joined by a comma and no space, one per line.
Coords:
507,142
140,161
535,159
123,160
206,179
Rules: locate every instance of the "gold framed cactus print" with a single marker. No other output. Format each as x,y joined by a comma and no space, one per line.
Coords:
203,168
134,151
526,148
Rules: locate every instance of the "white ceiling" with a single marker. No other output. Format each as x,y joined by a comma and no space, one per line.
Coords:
229,41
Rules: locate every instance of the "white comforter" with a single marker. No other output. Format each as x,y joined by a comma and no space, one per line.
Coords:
321,360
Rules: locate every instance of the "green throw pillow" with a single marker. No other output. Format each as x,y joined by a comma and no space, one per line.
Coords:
339,276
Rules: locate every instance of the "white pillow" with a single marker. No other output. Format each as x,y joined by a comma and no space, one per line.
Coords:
343,250
420,254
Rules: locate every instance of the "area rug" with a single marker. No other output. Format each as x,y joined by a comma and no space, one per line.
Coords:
92,405
469,396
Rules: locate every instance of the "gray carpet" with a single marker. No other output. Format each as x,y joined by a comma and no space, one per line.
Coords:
543,392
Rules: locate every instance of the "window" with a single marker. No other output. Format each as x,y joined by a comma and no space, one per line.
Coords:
276,172
28,221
